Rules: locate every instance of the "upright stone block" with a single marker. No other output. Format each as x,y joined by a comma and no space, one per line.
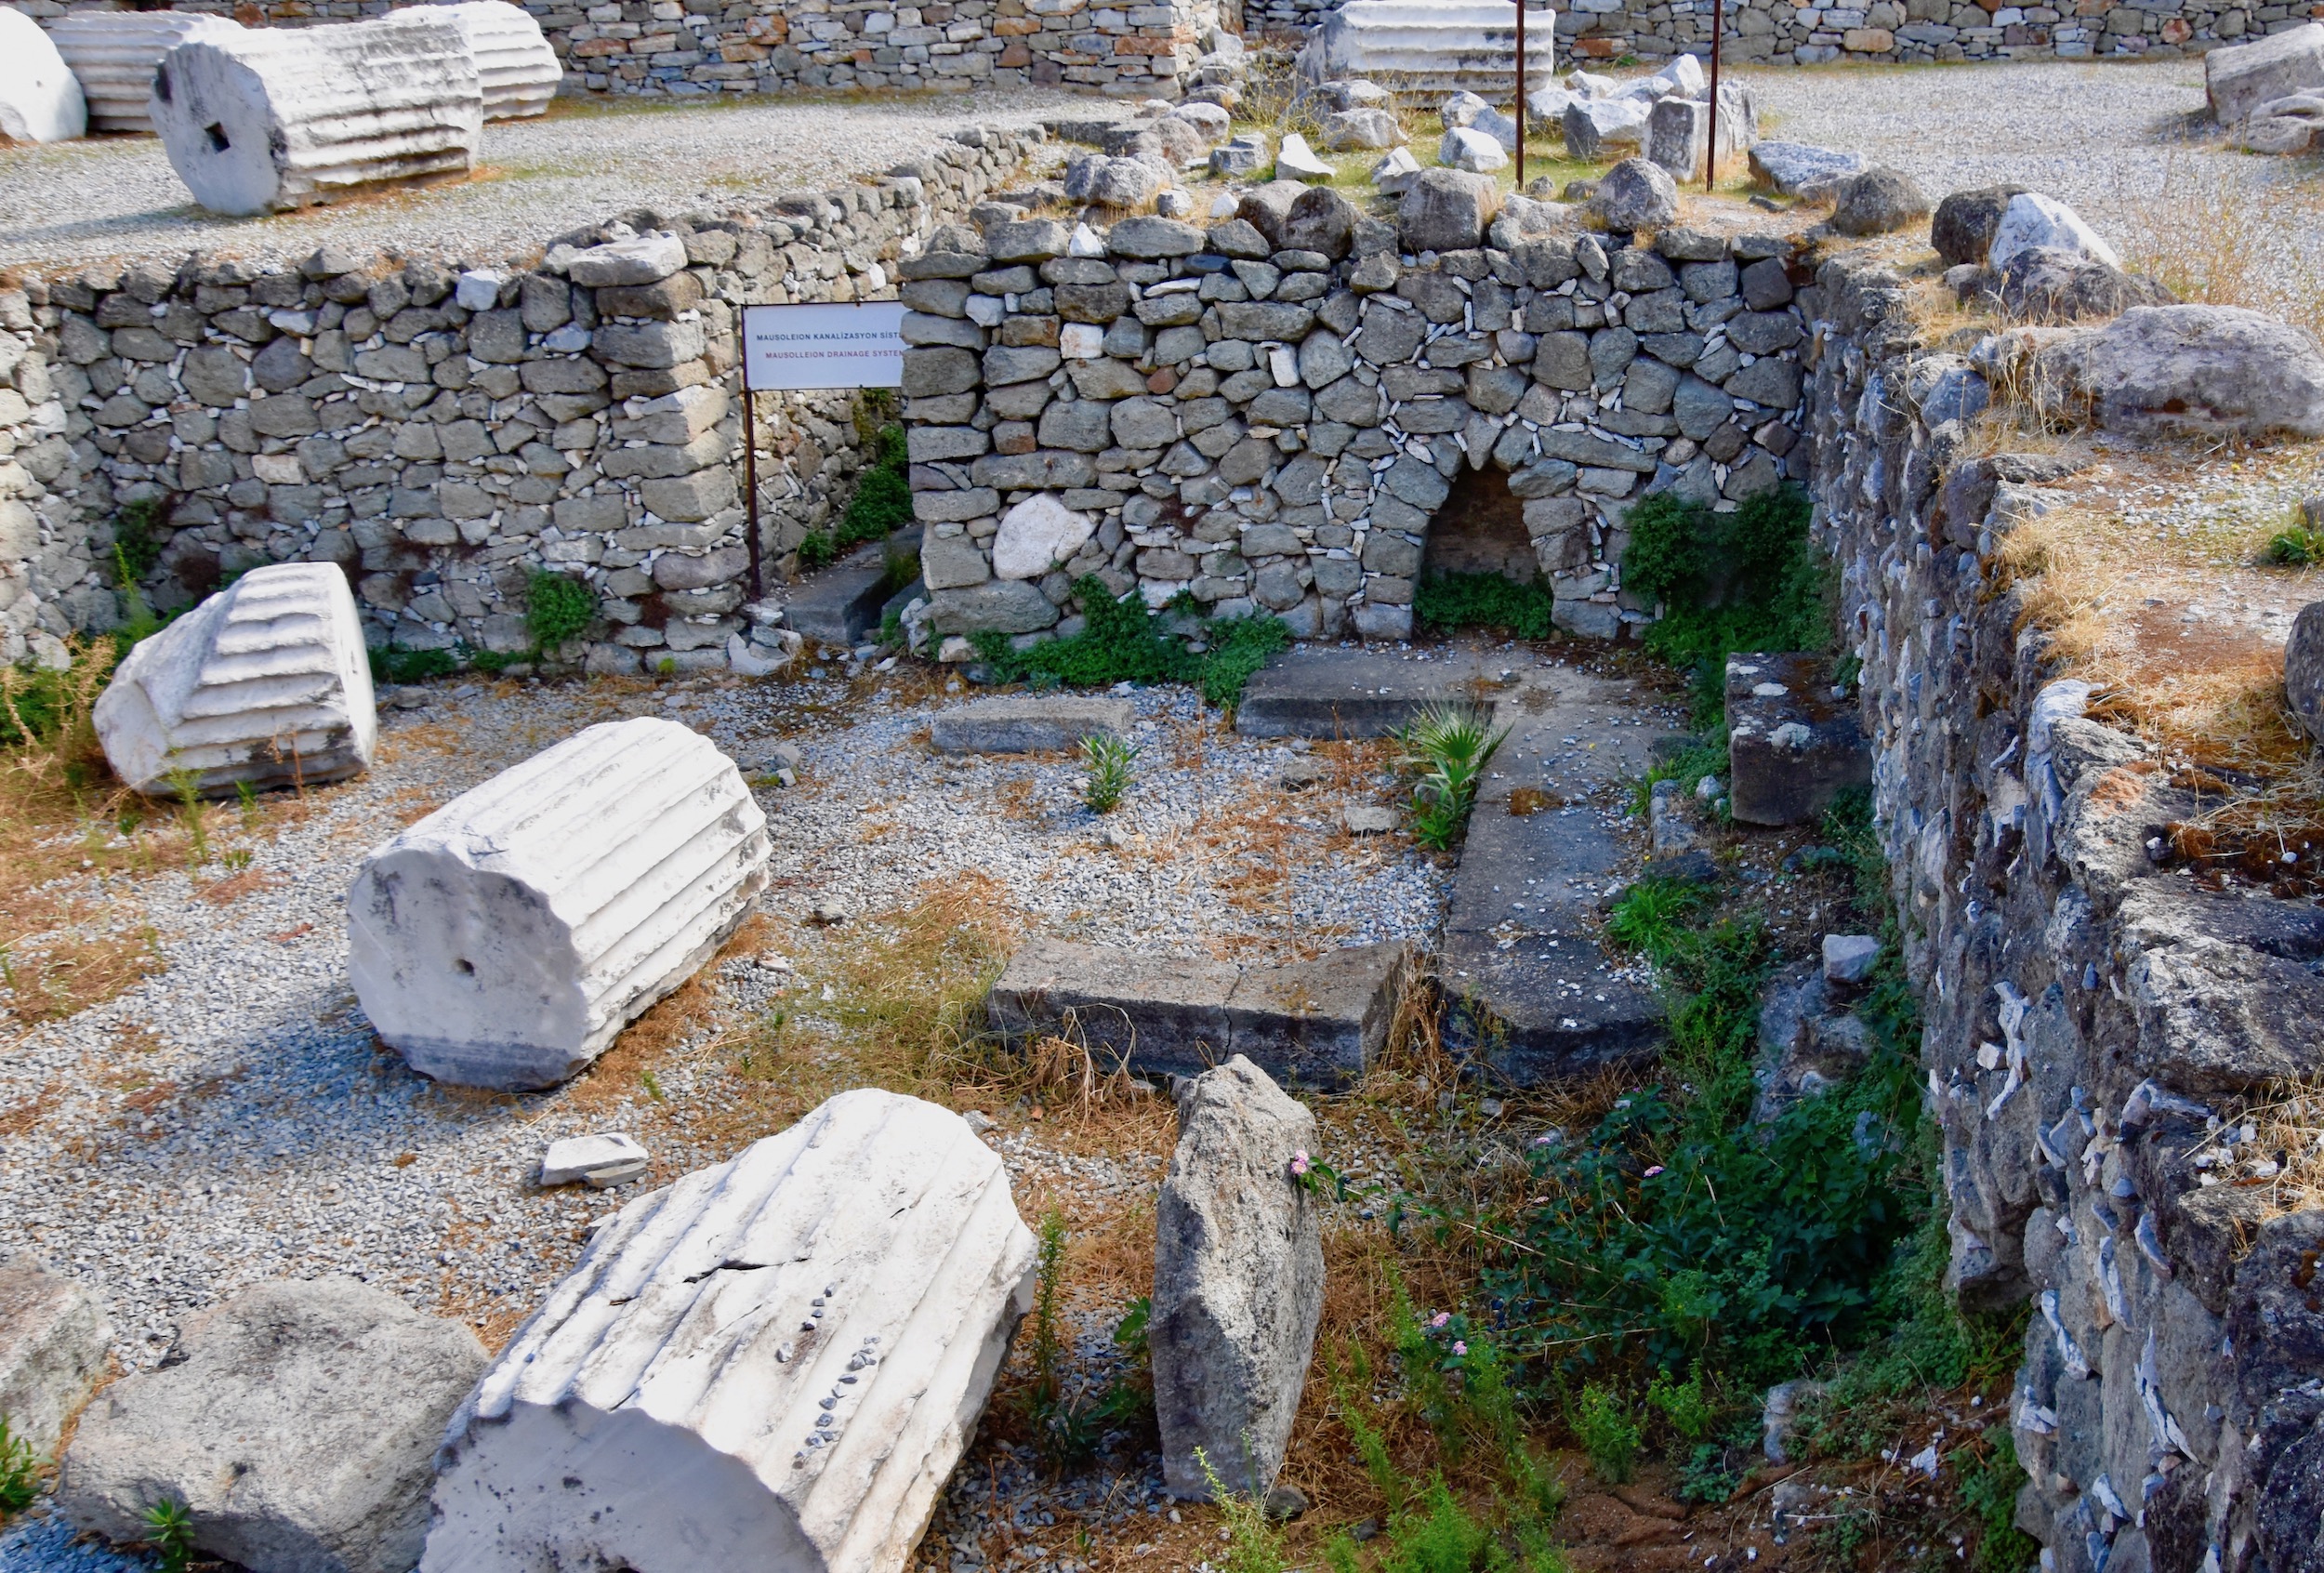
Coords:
1238,1283
773,1363
113,54
504,940
516,67
1792,747
279,117
40,101
265,683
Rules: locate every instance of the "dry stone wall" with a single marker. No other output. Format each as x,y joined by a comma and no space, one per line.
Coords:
1268,412
2098,1021
444,430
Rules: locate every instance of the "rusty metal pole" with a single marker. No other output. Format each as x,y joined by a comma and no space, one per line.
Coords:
1520,94
750,482
1711,153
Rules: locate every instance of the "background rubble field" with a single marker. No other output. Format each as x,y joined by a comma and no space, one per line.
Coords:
74,203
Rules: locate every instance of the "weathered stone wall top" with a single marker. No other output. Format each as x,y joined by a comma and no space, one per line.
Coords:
1267,411
2098,1022
443,431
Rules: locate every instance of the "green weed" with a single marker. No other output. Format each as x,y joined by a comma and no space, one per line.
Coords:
1990,1476
1125,643
393,664
2298,547
1746,580
883,496
1444,602
1705,756
1650,915
1449,747
1684,1404
169,1530
556,607
194,813
817,549
136,545
1607,1432
20,1467
1069,1422
1253,1546
1109,759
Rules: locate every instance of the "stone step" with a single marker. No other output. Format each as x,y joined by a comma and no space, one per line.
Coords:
1793,744
1027,723
1318,1023
1354,693
839,606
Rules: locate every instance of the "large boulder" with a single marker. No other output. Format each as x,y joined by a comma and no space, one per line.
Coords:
506,938
1962,230
1636,195
1238,1282
1321,221
1792,748
1877,202
1465,147
53,1343
2286,125
2202,372
112,54
2241,77
1446,210
296,1425
265,683
2041,286
2033,221
773,1363
275,118
1037,535
40,99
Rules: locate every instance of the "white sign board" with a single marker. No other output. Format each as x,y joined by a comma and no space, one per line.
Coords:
854,346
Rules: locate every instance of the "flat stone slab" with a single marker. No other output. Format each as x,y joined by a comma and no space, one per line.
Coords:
604,1161
1027,723
1792,747
837,606
1352,692
1319,1023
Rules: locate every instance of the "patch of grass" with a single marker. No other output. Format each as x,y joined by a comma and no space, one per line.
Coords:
1746,580
1123,641
19,1468
1253,1546
2298,547
1445,602
1108,759
558,607
1448,748
1070,1421
1651,916
883,502
1607,1432
393,664
1991,1476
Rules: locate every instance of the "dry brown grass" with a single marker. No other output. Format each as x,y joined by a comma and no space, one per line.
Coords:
2230,242
2290,1125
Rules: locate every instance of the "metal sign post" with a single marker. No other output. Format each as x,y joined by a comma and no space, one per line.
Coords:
1520,94
811,348
1711,153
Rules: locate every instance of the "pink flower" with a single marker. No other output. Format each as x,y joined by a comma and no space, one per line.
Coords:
1655,1170
1440,1319
1299,1160
1460,1347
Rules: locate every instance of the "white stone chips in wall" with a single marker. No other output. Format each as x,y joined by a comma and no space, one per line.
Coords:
515,66
1434,45
772,1364
267,683
39,100
113,54
278,117
506,938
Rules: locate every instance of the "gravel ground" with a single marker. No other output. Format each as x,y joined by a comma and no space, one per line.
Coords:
74,203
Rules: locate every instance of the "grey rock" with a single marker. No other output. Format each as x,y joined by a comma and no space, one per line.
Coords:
1036,724
1321,221
2199,371
54,1346
1878,201
2303,670
1635,195
1963,229
1238,1282
2241,77
298,1426
1802,169
2044,284
1792,748
1446,210
1011,606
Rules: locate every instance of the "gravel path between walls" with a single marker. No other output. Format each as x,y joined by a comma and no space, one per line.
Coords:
74,202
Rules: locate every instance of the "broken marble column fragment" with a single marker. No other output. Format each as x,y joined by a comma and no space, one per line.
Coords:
275,118
773,1363
506,938
516,67
267,683
1238,1282
40,99
113,54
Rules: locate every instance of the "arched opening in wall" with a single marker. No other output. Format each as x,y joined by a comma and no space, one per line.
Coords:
1480,528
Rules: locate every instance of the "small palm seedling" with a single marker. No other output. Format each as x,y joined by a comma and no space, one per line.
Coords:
169,1530
1109,759
1449,746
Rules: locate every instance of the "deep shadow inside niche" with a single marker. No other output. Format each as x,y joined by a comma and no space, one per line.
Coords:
1480,529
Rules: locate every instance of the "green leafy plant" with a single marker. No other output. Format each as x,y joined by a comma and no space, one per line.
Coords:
137,541
1990,1476
1108,759
883,496
1448,746
1123,641
20,1467
2298,547
1604,1427
392,663
169,1530
1444,602
1253,1546
817,549
1691,1414
1650,915
556,607
1704,1475
1749,579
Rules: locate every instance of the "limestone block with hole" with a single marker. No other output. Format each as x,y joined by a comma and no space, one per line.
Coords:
113,54
506,938
265,683
1433,45
53,1343
516,67
279,117
40,100
772,1364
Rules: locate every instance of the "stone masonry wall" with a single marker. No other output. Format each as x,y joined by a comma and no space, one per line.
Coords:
697,46
2097,1020
443,431
1267,411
